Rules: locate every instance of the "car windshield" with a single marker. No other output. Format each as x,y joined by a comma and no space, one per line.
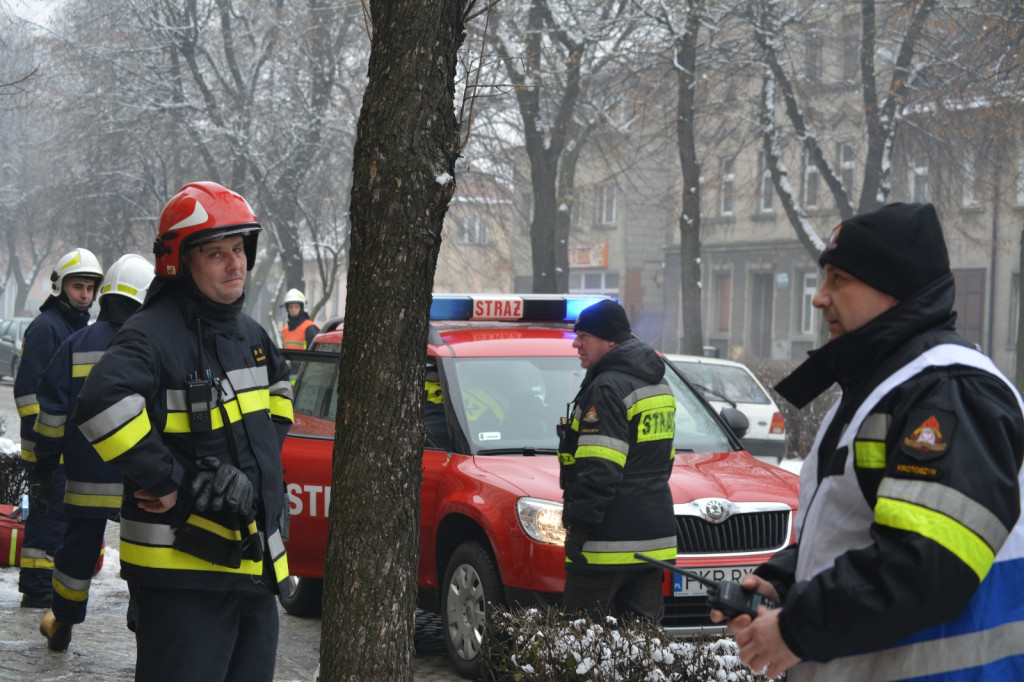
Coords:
732,383
510,404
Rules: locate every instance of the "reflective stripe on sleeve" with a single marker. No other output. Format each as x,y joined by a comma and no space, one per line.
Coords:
50,425
602,447
27,405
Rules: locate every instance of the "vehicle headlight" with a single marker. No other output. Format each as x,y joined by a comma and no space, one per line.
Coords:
541,520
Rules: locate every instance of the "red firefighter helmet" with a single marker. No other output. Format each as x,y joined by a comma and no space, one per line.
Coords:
202,212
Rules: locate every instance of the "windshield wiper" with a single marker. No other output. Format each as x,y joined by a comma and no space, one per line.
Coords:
527,451
713,394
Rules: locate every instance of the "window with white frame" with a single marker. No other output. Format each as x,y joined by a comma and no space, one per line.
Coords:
812,55
917,181
765,189
971,186
811,181
1011,331
593,282
576,210
809,287
1020,179
847,167
472,230
725,196
722,285
608,196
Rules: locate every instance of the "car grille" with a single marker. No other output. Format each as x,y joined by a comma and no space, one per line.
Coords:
752,532
686,612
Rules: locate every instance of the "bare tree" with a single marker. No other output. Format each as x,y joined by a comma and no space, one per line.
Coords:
407,143
549,56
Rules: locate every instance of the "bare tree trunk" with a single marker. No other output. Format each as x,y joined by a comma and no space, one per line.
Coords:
689,219
402,182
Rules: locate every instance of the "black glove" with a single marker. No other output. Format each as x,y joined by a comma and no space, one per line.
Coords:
40,488
574,539
221,486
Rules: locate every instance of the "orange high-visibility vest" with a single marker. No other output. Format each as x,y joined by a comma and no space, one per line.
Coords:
295,339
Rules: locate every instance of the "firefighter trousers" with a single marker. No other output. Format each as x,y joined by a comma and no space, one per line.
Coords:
204,635
74,565
43,532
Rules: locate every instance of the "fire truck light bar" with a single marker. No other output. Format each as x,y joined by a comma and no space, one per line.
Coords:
505,307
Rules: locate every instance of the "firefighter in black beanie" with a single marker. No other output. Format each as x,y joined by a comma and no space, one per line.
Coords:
616,453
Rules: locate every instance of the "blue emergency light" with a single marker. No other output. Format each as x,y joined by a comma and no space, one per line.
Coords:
510,308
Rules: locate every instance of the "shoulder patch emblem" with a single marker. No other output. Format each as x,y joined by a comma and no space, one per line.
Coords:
591,416
259,355
927,437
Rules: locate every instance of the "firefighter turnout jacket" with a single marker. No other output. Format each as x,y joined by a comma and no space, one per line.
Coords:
616,456
43,337
159,400
93,486
909,544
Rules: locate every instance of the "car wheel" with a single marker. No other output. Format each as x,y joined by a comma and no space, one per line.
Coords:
471,582
305,599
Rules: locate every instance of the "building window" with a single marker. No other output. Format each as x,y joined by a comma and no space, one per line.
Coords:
723,296
1020,179
593,282
807,292
812,56
811,181
725,196
472,230
1011,331
576,210
847,167
608,205
527,210
765,189
971,188
917,181
851,47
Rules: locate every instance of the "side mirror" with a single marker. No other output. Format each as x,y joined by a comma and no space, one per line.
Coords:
736,420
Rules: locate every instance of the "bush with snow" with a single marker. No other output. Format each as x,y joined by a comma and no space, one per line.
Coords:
535,645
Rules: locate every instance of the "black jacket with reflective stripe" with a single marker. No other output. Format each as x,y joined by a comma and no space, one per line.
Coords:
134,409
614,475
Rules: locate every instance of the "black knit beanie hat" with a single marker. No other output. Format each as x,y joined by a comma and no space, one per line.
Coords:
897,249
605,319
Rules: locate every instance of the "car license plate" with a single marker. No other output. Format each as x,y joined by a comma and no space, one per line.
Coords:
685,586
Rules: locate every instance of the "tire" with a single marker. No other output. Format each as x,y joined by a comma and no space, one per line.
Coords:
306,598
471,584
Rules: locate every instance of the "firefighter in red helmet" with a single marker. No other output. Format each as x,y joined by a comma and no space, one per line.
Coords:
191,402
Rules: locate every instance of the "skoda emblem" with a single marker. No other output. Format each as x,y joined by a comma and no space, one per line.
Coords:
715,511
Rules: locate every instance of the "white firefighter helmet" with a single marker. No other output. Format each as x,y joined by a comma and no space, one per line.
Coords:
129,276
76,263
294,296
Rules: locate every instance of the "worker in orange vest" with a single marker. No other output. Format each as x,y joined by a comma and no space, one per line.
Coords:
299,332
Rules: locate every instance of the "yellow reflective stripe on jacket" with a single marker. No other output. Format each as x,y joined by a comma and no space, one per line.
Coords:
114,418
27,405
82,363
869,454
282,407
124,439
211,526
86,494
170,558
603,447
50,425
618,552
949,533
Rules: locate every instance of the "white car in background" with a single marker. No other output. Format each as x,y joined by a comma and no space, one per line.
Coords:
725,383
